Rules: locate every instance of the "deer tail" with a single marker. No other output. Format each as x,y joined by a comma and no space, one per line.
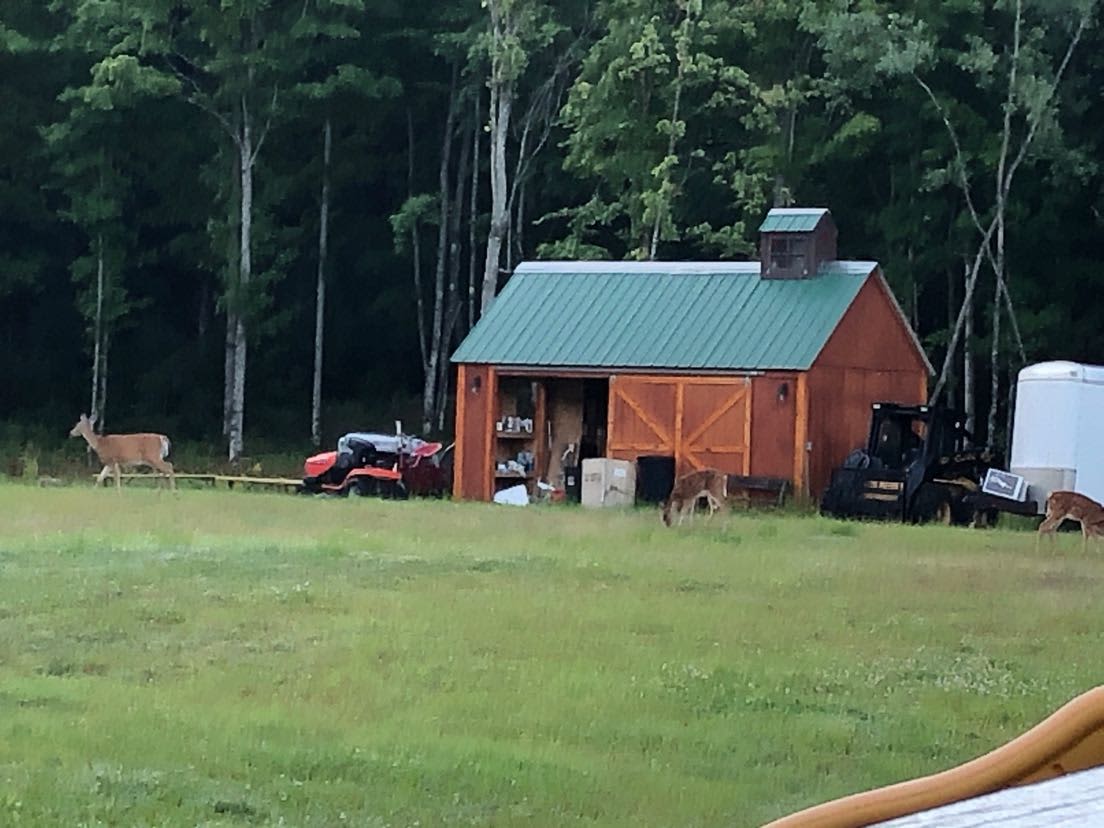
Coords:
166,447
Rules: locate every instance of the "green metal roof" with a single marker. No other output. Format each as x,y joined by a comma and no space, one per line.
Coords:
792,219
674,315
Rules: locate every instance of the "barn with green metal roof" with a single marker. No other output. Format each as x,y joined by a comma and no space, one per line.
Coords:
763,368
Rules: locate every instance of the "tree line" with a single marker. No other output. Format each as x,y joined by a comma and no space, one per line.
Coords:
277,219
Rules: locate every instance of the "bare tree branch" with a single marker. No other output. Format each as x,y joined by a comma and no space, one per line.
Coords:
267,126
201,100
1004,186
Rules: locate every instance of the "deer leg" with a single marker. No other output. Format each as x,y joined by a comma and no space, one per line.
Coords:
166,469
1047,527
102,476
717,504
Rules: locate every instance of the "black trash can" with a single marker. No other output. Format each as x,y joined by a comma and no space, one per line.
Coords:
655,477
573,484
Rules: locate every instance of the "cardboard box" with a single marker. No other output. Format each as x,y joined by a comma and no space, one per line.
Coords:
608,483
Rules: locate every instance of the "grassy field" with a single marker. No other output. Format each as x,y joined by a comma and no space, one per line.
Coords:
248,659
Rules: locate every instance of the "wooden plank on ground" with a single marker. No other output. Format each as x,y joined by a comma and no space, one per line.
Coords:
261,481
229,479
209,478
1073,800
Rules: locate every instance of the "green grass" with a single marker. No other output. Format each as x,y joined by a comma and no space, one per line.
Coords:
246,659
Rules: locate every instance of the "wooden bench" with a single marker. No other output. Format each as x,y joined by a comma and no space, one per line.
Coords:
746,487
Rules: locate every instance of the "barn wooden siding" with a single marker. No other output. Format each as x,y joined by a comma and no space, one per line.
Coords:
870,357
476,395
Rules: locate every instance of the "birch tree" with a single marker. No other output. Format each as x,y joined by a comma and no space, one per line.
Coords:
438,311
516,29
336,80
229,63
1030,104
90,163
660,108
1018,56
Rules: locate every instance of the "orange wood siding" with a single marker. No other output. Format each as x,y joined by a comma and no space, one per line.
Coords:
870,357
872,336
801,438
704,422
474,421
839,413
774,405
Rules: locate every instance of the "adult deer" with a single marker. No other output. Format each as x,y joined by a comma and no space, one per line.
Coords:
688,489
118,451
1084,510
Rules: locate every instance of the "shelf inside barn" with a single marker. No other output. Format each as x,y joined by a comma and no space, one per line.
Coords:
520,401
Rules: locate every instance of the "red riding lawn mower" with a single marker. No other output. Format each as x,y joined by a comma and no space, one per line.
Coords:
380,465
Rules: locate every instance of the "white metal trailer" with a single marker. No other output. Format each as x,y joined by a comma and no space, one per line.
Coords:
1058,432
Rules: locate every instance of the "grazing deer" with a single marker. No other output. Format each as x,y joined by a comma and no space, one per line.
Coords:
688,489
1084,510
126,450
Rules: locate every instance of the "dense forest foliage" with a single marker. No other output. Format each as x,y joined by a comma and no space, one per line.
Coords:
265,220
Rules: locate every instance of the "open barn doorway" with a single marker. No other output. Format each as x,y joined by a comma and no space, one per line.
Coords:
576,426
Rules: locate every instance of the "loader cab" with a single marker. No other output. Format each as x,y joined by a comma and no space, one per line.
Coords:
902,435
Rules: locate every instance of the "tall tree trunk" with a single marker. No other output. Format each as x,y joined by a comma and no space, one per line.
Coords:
657,224
202,314
969,402
967,304
237,412
499,217
452,297
473,207
436,345
508,240
994,374
952,278
501,108
1001,207
233,243
519,223
106,348
320,289
97,333
228,370
416,244
915,309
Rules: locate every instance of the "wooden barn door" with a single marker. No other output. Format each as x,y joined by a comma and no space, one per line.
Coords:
703,422
642,416
716,426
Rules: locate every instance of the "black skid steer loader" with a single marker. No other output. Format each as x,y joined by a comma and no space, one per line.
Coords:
918,466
